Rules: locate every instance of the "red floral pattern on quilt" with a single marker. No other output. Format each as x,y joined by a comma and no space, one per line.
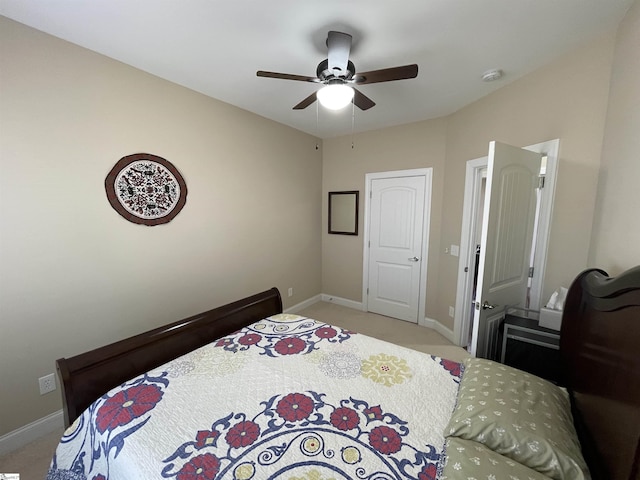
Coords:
350,426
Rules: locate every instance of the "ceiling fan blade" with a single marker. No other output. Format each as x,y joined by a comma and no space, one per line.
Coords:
306,102
362,101
387,74
339,46
287,76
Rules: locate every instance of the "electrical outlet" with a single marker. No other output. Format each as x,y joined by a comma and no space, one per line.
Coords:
291,291
452,312
47,383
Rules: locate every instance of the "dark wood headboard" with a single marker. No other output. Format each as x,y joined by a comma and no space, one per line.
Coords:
600,351
88,376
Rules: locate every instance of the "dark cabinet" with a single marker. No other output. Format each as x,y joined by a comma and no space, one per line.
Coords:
529,347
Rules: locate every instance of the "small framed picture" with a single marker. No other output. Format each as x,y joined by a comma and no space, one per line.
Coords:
343,212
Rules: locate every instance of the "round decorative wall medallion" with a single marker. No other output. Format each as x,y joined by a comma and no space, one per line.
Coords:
146,189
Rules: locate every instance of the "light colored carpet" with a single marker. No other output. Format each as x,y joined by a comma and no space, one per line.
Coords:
32,461
403,333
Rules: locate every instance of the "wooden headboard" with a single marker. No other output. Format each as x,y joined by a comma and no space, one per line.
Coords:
88,376
600,352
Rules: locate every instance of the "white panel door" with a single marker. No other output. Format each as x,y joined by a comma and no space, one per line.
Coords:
395,235
507,233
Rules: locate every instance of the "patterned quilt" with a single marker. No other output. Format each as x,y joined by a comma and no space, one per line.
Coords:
287,397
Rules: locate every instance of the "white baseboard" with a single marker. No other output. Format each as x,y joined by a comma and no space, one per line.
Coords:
303,305
324,298
440,328
427,322
345,302
27,434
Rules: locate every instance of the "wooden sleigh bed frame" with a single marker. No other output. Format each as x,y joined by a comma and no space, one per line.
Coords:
88,376
600,355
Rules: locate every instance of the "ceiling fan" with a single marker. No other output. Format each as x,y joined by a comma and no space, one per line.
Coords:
337,73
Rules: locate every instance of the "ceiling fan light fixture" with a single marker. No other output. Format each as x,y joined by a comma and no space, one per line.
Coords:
335,96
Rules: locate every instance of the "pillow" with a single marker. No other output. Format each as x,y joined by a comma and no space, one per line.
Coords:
520,416
464,457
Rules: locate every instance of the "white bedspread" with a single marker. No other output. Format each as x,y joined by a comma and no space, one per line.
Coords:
288,397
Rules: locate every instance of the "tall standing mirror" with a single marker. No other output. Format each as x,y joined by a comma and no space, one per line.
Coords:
343,212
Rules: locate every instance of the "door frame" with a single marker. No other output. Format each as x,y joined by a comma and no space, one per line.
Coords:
472,196
462,318
427,173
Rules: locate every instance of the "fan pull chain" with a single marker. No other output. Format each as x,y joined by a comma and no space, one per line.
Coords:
317,123
353,121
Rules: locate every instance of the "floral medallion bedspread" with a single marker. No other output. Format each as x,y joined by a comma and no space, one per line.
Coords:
287,397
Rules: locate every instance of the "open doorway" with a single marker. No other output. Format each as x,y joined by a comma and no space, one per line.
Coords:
470,244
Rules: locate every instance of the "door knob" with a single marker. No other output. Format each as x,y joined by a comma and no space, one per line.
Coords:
487,306
413,259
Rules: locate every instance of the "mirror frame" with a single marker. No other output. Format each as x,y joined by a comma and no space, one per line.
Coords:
353,229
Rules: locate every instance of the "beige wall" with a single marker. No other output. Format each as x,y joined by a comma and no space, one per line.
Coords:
418,145
73,273
567,100
615,244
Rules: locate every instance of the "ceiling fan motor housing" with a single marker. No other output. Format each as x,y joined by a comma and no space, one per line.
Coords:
325,74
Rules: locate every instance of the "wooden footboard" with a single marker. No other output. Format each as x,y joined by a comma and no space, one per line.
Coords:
88,376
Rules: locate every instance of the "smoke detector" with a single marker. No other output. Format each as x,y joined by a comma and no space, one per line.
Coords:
492,75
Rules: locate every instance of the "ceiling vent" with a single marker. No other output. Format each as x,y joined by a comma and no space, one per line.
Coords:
492,75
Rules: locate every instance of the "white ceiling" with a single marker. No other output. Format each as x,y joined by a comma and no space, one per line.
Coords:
216,47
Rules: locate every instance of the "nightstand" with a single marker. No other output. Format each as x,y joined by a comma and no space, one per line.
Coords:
530,347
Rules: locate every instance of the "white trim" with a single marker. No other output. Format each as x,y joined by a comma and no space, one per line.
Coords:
302,305
438,327
323,297
34,430
345,302
467,255
416,172
551,149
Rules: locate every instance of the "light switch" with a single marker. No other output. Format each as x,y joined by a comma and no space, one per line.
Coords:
455,250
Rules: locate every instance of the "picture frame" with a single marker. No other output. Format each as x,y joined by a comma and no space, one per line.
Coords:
343,212
146,189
